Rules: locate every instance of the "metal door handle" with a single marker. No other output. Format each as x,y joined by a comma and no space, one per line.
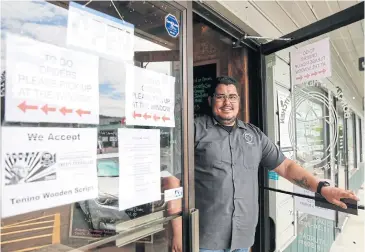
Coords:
305,196
194,232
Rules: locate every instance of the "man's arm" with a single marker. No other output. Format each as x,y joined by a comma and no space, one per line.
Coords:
274,159
301,177
297,175
174,207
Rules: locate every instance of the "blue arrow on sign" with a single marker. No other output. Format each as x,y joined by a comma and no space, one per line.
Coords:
172,25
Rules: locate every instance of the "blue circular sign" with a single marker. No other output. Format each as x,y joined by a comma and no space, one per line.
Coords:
172,25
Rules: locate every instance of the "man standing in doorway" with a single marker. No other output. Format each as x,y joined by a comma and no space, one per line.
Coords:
228,154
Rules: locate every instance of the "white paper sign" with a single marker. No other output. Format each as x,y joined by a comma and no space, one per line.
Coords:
150,98
46,83
139,168
311,62
173,194
308,205
47,167
98,32
284,106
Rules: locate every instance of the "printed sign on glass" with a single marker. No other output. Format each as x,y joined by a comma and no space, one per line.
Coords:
311,62
308,205
172,25
173,194
47,167
150,98
284,107
139,174
97,32
46,83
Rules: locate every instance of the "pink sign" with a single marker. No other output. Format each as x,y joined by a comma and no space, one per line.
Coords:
311,62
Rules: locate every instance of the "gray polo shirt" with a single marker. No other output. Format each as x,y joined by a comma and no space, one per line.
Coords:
226,181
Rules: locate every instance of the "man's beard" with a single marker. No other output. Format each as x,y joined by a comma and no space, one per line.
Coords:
224,121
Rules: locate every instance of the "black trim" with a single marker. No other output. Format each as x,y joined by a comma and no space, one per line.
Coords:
354,126
360,140
272,235
257,90
264,214
256,85
346,157
345,17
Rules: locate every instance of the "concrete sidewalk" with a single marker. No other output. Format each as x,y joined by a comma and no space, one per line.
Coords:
353,235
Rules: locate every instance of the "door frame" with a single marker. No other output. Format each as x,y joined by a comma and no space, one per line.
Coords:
189,226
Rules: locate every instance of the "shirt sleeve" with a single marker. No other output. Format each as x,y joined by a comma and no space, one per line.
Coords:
272,157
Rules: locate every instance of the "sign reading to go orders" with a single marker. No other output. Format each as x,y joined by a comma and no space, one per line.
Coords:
47,83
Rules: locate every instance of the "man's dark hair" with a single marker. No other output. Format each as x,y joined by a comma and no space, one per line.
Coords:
226,80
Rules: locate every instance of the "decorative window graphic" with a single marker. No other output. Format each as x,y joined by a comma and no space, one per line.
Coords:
27,167
314,112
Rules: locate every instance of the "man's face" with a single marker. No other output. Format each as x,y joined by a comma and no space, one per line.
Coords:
225,104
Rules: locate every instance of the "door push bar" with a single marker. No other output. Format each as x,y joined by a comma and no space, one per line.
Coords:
320,201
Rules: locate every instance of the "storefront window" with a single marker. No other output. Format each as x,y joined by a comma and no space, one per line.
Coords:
103,80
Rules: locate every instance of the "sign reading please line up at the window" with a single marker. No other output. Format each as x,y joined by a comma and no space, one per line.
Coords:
150,98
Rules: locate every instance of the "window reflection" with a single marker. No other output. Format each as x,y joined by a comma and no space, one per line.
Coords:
83,222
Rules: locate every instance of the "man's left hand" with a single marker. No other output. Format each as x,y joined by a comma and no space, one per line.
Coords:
334,195
177,243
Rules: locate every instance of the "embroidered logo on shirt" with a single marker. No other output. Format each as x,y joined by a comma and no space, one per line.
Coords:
248,138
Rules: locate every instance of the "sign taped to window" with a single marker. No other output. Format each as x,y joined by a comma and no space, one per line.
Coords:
150,98
309,206
311,62
47,167
97,32
139,175
47,83
172,25
173,194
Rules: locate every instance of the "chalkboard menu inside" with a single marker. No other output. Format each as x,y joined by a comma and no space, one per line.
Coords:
204,77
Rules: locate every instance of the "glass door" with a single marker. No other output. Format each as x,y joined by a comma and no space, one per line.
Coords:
315,118
132,52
